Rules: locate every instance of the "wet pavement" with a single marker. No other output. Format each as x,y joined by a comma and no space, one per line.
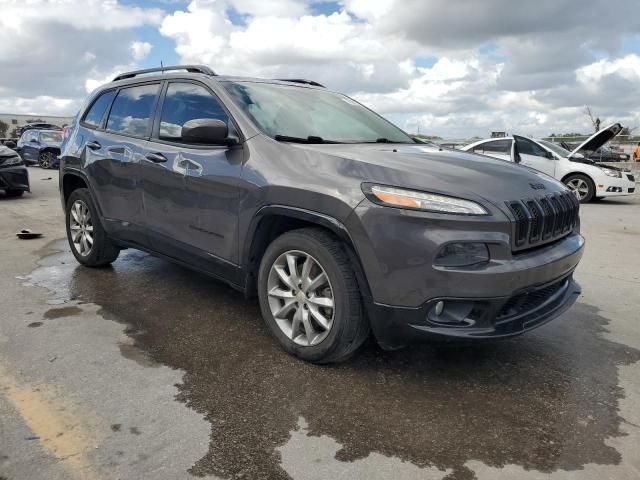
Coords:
560,401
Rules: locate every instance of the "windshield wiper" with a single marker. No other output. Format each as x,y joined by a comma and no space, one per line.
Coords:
309,139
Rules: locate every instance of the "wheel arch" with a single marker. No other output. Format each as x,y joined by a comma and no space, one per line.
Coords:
578,172
274,220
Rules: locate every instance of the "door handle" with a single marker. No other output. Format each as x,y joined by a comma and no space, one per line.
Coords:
156,157
94,145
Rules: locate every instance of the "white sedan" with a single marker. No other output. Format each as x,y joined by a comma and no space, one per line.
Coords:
589,180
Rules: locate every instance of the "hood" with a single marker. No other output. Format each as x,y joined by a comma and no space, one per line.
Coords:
432,169
597,140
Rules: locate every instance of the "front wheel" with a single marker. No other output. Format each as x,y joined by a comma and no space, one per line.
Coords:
14,193
88,241
582,185
309,296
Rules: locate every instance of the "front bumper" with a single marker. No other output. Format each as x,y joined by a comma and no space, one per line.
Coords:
397,250
615,187
14,178
479,318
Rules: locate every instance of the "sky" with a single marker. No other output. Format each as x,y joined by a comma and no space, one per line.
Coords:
452,68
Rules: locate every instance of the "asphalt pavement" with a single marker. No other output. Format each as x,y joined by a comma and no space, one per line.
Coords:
147,370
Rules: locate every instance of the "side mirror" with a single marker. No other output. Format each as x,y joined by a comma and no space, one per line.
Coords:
550,155
207,131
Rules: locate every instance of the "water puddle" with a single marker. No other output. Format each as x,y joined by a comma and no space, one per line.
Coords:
545,401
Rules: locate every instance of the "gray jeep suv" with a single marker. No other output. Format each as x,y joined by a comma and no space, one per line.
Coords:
336,219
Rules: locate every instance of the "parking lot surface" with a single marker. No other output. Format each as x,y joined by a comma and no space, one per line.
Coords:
149,370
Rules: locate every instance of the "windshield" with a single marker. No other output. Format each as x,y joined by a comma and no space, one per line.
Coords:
554,147
51,137
298,112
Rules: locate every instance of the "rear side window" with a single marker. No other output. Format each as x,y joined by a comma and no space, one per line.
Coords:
184,102
132,110
96,112
497,146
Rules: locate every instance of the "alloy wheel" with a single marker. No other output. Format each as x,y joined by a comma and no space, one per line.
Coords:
301,298
81,228
580,186
44,159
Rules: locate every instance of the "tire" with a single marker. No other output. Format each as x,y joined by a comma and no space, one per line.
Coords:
44,159
584,184
597,199
348,326
102,250
14,193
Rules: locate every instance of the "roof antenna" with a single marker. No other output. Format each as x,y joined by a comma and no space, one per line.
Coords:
161,66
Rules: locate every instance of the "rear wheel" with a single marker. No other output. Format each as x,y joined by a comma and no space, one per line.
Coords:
88,241
44,159
309,297
582,185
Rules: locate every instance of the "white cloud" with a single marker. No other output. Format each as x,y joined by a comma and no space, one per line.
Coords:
140,49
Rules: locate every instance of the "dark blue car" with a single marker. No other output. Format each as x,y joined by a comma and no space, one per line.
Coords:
40,147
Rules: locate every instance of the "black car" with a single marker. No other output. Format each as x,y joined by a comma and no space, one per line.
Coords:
335,218
603,154
40,147
14,177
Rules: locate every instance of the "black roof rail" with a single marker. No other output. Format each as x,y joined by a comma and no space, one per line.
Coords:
189,68
301,80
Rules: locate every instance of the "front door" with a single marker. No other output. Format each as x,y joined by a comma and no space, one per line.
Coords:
190,191
534,156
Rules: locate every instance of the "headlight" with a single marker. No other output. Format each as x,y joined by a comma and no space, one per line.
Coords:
611,173
396,197
10,161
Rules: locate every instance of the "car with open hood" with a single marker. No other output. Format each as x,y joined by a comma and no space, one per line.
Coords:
337,220
574,168
14,177
40,147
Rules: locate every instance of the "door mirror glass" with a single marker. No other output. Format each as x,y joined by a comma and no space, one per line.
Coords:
207,131
550,156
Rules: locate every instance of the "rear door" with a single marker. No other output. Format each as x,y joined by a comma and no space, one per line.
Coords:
113,157
534,156
190,191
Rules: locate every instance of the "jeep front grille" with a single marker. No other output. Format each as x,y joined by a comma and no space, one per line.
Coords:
537,221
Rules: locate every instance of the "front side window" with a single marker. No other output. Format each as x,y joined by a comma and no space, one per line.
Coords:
132,110
184,102
96,112
301,112
528,147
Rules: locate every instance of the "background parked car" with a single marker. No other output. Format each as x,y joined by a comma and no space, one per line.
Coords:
14,177
573,168
39,126
40,147
603,154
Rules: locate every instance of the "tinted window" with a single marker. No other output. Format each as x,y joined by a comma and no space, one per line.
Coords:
96,112
132,109
497,146
530,148
184,102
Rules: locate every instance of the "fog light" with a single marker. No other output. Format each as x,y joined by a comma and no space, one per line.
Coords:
462,255
438,308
